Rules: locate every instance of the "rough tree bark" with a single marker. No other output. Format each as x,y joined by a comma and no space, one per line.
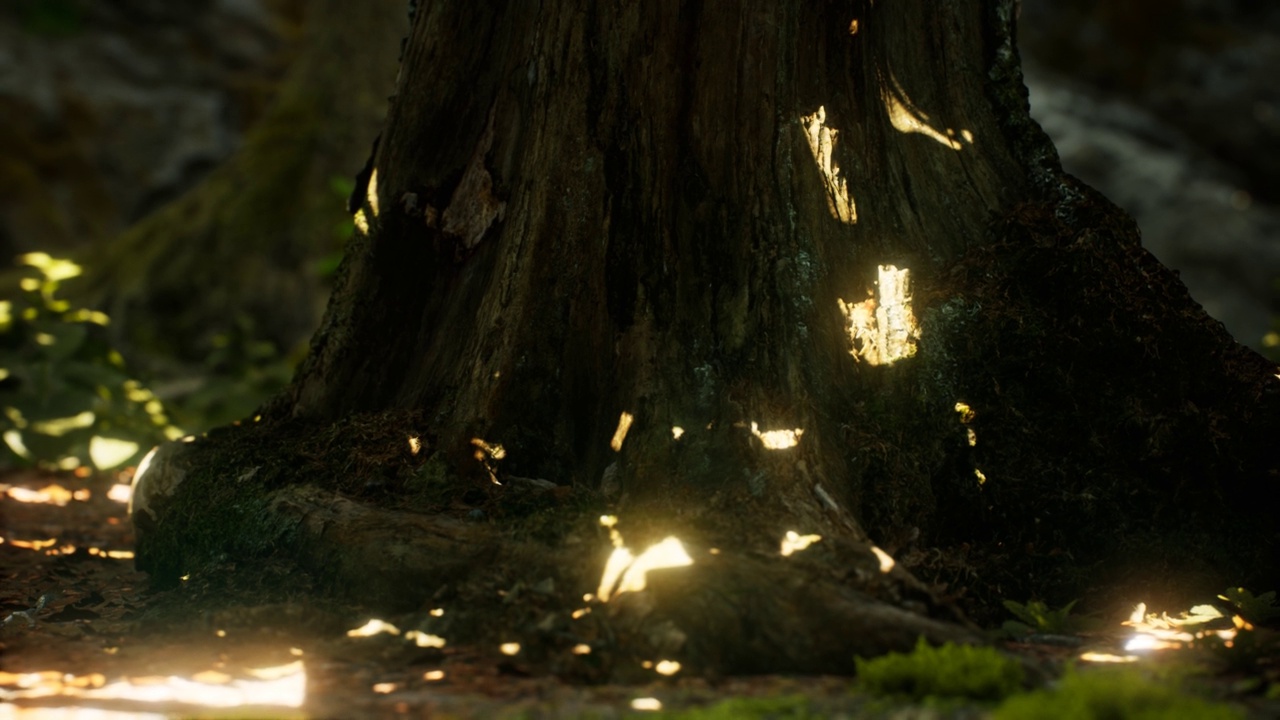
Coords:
821,260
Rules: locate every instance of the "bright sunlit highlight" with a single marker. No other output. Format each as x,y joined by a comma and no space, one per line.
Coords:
620,433
646,704
426,640
623,573
823,141
511,648
794,542
433,675
882,329
283,686
777,439
676,432
667,667
886,562
120,492
374,627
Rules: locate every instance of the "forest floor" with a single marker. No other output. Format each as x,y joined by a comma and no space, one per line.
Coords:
84,636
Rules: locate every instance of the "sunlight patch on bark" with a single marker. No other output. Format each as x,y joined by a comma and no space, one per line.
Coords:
777,439
886,561
822,143
371,192
620,434
794,542
676,432
624,572
907,118
882,329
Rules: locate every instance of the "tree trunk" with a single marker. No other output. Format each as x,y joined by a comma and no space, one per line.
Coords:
726,272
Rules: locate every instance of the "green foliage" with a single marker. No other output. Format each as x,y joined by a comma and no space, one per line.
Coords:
1259,609
791,707
50,18
950,671
240,372
1111,695
1037,617
66,396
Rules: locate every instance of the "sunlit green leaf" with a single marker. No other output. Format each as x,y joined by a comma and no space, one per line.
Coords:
106,452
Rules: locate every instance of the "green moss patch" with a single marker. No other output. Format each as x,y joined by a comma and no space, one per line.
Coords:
1123,695
949,671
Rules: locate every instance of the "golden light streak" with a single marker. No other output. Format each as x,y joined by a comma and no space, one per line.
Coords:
907,118
620,433
668,553
511,648
433,675
371,192
48,495
1101,657
34,544
582,649
648,704
580,613
436,612
777,439
415,445
422,639
384,687
794,542
374,627
822,144
886,562
982,478
1162,632
106,452
284,686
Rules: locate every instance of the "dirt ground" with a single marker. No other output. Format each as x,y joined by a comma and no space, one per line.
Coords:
84,635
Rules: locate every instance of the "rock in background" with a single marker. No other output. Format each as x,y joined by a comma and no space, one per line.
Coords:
112,108
1172,109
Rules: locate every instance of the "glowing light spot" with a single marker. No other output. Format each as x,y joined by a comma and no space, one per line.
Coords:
794,542
384,688
1101,657
982,478
108,452
415,445
883,329
282,687
624,574
511,648
422,639
1162,632
120,492
777,439
822,144
34,544
676,432
221,633
433,675
608,520
907,118
582,649
436,612
374,627
296,652
886,562
667,667
620,433
580,613
371,192
493,450
48,495
647,704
